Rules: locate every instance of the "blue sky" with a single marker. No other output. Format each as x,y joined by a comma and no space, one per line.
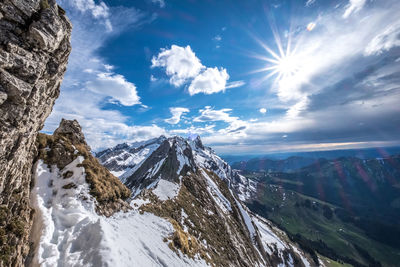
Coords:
249,77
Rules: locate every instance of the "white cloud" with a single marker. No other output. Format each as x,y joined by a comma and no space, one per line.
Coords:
108,67
310,2
176,112
98,11
86,70
384,41
180,64
210,114
297,108
353,7
210,81
234,84
208,129
152,78
102,128
159,2
236,127
217,38
115,86
263,110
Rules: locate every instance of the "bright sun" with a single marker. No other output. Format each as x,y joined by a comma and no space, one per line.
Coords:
284,63
287,65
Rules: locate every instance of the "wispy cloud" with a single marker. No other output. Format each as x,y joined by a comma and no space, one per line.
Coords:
210,114
99,11
90,81
115,86
310,3
217,38
353,7
161,3
176,113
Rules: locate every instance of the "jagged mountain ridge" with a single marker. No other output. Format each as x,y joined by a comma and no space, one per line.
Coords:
191,218
187,183
125,159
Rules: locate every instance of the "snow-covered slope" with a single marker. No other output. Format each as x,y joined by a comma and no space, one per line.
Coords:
75,235
190,185
124,159
182,212
71,228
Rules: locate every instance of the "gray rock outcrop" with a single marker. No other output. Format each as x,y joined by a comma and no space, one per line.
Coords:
34,50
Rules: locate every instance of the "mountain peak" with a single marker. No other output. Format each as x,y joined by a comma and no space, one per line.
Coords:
72,129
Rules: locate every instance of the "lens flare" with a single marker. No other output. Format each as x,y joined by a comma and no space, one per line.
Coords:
311,26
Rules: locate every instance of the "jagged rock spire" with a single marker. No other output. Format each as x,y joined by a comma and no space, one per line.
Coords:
72,129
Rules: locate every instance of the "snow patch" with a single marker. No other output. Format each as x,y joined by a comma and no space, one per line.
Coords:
216,194
166,189
75,235
69,221
247,220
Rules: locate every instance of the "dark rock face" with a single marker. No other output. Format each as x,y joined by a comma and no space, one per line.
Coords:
163,163
34,49
111,158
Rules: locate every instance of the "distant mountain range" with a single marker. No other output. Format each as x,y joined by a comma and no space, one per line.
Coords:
270,165
346,208
364,153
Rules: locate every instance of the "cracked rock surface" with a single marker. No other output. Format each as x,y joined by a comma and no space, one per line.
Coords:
34,50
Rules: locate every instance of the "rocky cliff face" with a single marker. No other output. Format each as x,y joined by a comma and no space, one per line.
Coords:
34,49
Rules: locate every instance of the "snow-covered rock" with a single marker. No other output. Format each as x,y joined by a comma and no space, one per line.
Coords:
73,234
182,176
124,159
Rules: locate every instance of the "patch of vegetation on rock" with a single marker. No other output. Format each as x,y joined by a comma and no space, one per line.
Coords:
217,238
63,147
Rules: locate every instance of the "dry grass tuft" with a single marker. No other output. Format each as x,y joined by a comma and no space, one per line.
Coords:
108,190
227,241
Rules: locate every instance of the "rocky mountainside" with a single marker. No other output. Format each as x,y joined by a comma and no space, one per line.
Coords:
187,184
34,49
124,160
70,183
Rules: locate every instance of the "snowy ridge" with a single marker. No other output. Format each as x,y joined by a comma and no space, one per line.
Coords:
124,159
273,241
75,235
206,158
166,189
216,194
247,220
168,160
